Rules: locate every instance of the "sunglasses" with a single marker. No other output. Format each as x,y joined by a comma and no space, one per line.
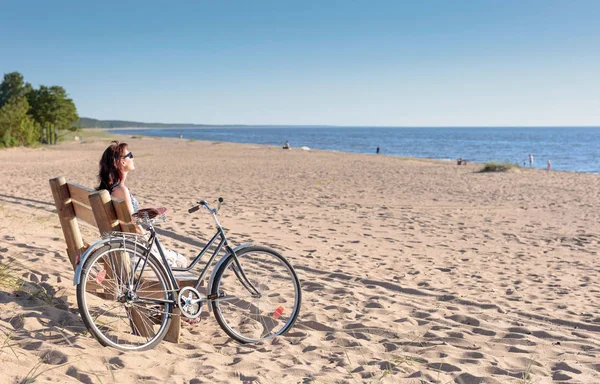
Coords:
130,155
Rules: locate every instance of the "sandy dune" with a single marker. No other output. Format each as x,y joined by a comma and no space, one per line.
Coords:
412,270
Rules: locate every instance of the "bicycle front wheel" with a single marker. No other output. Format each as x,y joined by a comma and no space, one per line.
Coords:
248,316
114,311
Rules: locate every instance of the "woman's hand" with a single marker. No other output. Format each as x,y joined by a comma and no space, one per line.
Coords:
139,229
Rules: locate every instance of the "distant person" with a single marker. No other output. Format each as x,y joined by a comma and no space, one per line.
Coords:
286,145
180,136
549,166
524,164
530,160
377,151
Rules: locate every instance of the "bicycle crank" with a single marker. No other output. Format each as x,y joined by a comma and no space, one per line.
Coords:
190,302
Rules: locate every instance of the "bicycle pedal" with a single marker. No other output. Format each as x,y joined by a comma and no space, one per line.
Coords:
214,296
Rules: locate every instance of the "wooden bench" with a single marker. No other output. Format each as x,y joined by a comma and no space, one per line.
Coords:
76,203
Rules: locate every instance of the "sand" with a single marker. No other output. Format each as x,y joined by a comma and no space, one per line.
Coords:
412,270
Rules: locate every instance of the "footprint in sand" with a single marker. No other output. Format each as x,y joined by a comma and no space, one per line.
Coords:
518,350
116,363
560,376
53,357
444,367
389,347
467,378
17,322
563,366
465,320
33,346
484,332
513,336
473,355
82,377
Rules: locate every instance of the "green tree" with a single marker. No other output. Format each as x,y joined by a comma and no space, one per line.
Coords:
13,86
53,110
16,126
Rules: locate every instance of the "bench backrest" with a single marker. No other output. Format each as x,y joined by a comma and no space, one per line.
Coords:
96,208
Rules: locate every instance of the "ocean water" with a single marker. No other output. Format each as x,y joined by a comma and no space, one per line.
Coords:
568,148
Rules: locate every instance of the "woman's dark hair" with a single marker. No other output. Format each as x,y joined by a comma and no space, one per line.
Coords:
110,172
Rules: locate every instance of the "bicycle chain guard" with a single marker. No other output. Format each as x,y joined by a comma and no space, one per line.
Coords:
190,302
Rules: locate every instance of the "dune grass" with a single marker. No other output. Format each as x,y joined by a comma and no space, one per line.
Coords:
494,166
8,278
36,371
10,281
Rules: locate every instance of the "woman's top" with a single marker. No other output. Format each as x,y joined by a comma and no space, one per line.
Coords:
134,202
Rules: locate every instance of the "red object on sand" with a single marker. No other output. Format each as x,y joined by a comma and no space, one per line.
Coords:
278,312
101,276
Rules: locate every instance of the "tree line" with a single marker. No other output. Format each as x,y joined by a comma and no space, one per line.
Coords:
29,116
86,122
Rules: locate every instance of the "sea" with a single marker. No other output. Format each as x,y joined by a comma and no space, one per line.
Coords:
568,148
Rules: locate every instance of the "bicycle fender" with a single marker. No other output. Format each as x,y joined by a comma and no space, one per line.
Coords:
216,268
83,257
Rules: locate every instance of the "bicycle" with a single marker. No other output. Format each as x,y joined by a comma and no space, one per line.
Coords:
127,295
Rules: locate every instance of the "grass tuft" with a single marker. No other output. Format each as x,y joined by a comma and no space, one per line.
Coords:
494,166
8,279
36,371
8,343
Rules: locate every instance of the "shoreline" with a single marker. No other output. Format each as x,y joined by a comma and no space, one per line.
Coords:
442,160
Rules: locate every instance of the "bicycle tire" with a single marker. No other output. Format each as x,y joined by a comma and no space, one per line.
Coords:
249,319
102,285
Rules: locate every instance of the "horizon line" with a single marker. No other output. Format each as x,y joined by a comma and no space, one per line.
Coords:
191,125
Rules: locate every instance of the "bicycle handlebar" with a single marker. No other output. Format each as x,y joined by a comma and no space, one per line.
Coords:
205,204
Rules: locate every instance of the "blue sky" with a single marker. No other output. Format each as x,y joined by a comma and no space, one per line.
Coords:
371,63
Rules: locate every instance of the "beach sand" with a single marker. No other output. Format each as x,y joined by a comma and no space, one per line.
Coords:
412,270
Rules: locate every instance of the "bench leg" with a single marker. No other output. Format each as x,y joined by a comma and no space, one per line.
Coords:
141,325
174,332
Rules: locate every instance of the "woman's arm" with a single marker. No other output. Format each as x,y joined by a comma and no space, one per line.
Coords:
122,192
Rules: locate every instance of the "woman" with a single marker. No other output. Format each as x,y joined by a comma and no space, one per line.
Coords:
115,164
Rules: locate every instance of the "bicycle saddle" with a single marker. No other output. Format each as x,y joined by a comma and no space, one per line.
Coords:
151,213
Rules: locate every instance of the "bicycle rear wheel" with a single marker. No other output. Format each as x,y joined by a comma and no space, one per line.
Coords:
248,317
114,312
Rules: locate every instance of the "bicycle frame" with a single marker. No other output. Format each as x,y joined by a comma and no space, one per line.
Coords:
223,241
239,270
